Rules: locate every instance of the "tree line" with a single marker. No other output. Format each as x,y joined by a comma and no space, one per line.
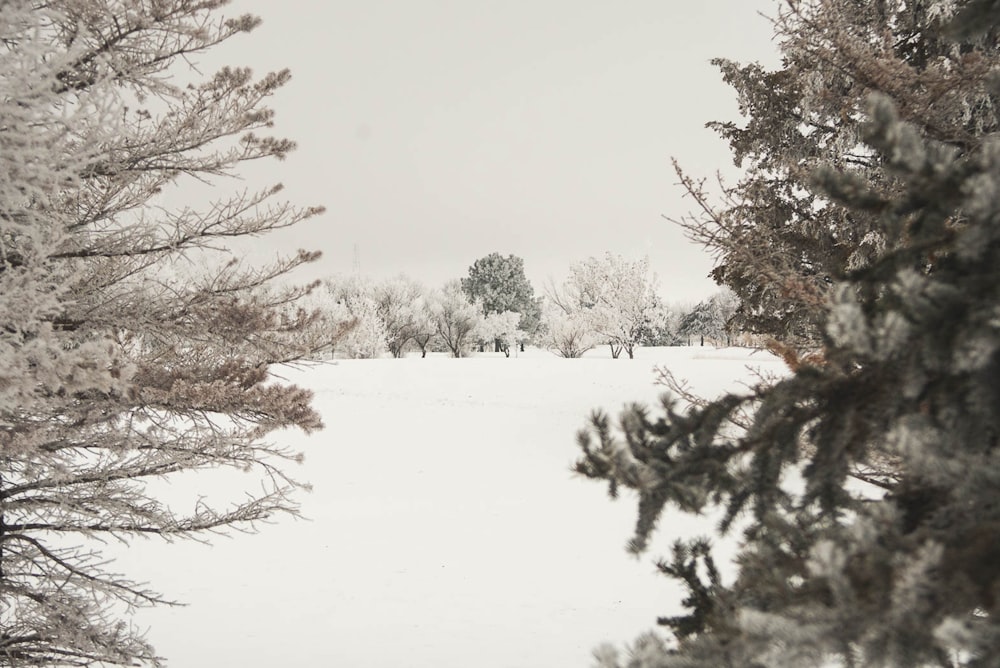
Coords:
604,301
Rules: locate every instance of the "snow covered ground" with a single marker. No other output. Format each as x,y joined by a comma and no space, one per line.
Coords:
445,528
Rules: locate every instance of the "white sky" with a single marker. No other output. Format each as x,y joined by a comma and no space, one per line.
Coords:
437,132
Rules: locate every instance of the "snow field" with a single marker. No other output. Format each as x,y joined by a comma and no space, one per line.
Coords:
445,527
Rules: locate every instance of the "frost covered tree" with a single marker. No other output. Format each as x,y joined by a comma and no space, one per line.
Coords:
500,285
456,320
366,336
363,310
424,324
866,484
134,347
568,333
709,319
780,244
619,297
384,315
501,328
398,301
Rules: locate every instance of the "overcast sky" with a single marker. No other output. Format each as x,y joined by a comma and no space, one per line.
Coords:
436,132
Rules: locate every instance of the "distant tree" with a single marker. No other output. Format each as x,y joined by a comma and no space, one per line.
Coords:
620,297
456,319
500,285
424,324
500,327
568,333
348,304
134,346
341,288
865,484
662,330
709,319
398,301
366,336
387,313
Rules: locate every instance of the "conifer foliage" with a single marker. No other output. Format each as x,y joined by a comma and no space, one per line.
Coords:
866,483
780,244
133,346
500,285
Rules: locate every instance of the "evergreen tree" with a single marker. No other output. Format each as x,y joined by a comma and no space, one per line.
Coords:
709,319
499,284
866,483
781,244
118,368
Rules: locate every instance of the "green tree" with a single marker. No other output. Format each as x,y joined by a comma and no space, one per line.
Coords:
500,284
866,483
120,362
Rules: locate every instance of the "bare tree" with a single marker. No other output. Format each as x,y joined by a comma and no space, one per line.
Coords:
424,327
566,331
616,296
399,303
455,318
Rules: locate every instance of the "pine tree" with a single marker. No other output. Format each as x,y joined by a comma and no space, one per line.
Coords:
134,347
866,484
780,244
500,285
709,319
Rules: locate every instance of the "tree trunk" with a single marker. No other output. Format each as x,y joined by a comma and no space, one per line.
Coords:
3,530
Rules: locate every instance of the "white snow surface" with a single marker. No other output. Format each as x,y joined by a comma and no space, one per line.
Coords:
444,528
